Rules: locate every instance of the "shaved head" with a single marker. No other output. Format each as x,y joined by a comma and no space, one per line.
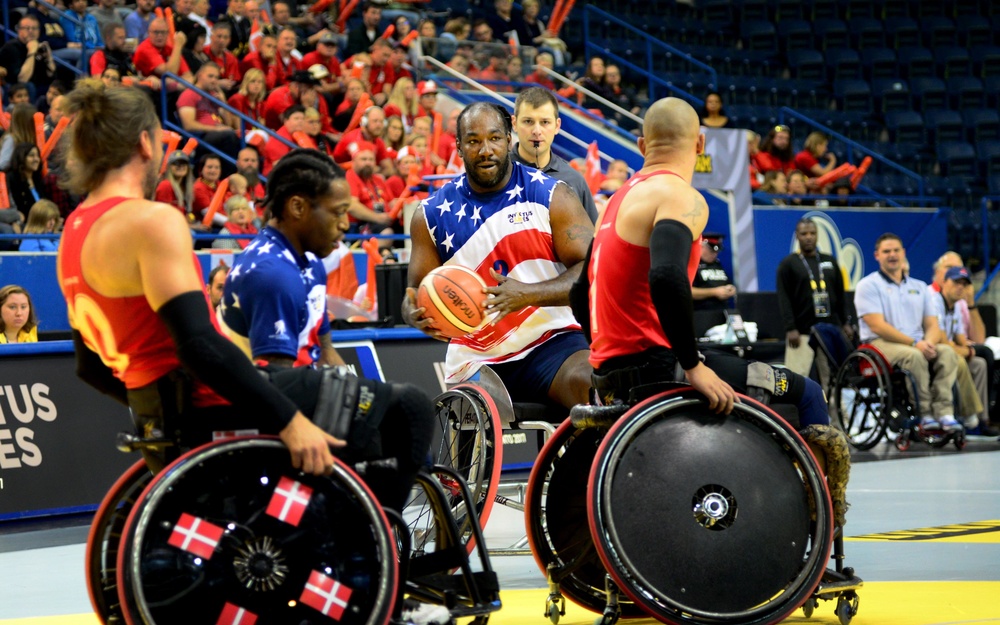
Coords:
671,123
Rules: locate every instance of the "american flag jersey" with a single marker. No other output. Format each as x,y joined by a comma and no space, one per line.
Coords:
508,231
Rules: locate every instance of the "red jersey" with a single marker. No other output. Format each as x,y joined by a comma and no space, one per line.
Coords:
342,153
373,193
148,57
274,149
229,66
241,103
623,319
331,64
279,100
768,162
124,331
805,161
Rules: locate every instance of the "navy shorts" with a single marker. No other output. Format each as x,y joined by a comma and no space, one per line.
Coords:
528,379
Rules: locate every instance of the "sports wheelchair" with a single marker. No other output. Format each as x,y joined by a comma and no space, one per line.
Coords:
230,531
871,398
738,537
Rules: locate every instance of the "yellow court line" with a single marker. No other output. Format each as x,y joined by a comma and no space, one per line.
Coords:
882,603
975,532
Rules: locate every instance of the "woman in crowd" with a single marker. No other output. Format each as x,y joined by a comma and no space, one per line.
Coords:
712,114
209,173
249,99
194,48
797,185
177,184
776,183
395,134
776,151
814,149
240,222
314,128
592,80
531,31
18,323
22,130
25,184
403,102
43,218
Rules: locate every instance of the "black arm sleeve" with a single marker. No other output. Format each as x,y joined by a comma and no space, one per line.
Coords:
669,249
579,294
214,360
92,370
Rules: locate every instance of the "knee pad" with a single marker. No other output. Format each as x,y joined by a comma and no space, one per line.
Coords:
416,409
837,454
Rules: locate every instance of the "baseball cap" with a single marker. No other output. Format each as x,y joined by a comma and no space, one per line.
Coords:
360,146
318,71
958,273
328,39
713,240
426,86
178,156
303,77
403,153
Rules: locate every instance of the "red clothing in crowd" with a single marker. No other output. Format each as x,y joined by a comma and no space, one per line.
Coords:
205,111
165,193
274,149
342,153
231,228
254,111
541,79
373,193
805,161
280,99
229,66
381,78
254,60
203,194
767,162
147,58
281,70
331,64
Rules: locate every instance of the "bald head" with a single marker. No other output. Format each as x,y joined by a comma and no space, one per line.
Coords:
671,123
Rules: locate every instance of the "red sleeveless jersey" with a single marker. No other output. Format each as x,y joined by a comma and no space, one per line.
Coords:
124,331
623,320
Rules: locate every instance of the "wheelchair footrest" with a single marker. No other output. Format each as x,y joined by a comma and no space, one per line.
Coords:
834,583
586,416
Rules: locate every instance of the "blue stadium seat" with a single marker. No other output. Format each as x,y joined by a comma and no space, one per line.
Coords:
957,159
824,9
985,60
759,35
981,124
831,33
878,63
952,61
866,32
842,63
966,92
806,64
905,126
755,10
912,156
891,94
993,184
788,10
858,8
937,31
715,10
929,93
895,8
991,86
943,125
853,94
795,34
973,30
988,155
915,62
901,32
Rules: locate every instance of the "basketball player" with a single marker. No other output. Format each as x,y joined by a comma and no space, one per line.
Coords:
645,252
142,325
525,234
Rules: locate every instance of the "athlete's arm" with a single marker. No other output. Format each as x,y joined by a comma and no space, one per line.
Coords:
423,259
328,353
92,370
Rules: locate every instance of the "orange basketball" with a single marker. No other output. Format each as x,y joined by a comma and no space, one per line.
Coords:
451,296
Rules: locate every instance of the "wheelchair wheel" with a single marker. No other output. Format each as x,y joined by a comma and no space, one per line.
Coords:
105,538
231,531
862,399
706,519
468,431
555,516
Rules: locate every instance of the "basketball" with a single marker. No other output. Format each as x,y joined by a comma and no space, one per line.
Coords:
451,296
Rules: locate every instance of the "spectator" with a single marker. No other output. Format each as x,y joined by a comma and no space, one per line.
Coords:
712,114
85,38
240,37
775,183
753,148
370,130
22,130
807,161
155,57
199,15
44,103
51,31
593,80
25,184
427,92
250,97
314,129
395,135
402,103
287,59
482,32
457,29
897,315
248,166
505,21
203,117
111,77
811,295
182,22
972,377
205,186
240,222
776,151
18,321
194,48
114,54
105,13
843,191
20,93
428,35
544,59
533,32
345,111
398,61
293,120
361,38
177,185
615,177
515,70
623,96
43,218
711,288
405,158
301,89
25,60
263,58
217,51
325,55
137,22
368,214
797,187
496,69
215,284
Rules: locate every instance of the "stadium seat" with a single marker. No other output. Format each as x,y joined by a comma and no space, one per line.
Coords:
952,61
966,92
806,64
895,8
981,124
957,159
988,155
788,10
858,8
985,60
824,9
991,87
901,32
878,63
866,32
905,126
993,184
795,34
716,10
915,62
852,94
929,93
843,63
891,94
973,30
937,31
759,35
831,33
755,10
943,126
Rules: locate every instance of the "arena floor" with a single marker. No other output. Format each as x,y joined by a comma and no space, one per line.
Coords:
923,532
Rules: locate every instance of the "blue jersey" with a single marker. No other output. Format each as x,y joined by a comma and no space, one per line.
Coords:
274,301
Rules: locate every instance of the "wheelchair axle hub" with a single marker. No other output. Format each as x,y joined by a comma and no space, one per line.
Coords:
260,565
714,507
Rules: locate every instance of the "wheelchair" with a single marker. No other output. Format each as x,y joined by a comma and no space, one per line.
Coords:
230,531
871,399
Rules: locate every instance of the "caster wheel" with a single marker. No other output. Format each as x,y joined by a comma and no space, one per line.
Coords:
554,614
848,571
607,619
903,441
847,607
809,607
960,442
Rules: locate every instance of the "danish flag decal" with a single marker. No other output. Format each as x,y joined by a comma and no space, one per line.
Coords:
196,535
289,501
326,595
235,615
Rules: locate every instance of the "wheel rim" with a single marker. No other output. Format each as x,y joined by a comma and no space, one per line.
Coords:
862,400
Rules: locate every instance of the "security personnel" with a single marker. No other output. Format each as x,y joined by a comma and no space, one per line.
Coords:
712,288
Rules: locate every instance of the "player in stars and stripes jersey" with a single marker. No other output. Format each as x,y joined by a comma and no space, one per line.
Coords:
526,235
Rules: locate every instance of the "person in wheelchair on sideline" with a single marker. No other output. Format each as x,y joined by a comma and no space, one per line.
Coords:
635,298
897,315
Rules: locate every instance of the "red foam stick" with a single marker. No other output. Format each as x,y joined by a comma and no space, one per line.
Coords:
359,112
436,140
190,146
216,203
389,31
173,139
408,39
567,7
374,258
846,169
54,137
303,140
320,6
168,15
4,198
345,14
856,177
39,119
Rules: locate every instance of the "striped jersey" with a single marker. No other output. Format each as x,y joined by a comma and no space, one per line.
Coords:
508,231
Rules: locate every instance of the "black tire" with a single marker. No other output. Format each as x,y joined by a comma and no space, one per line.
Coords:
862,399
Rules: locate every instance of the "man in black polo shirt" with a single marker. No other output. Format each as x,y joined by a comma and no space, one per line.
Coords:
536,122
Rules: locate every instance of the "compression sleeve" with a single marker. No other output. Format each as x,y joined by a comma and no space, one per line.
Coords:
217,362
579,293
669,248
92,370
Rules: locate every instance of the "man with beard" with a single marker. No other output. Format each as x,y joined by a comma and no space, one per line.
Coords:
370,130
144,332
371,193
248,166
526,235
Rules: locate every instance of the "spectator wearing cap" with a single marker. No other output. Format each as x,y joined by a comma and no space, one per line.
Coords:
361,38
712,288
301,85
203,117
325,55
155,56
398,62
176,186
405,158
263,58
368,213
370,130
293,120
218,52
427,91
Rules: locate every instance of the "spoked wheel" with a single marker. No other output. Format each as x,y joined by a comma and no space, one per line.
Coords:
723,493
556,519
862,399
469,442
230,532
105,539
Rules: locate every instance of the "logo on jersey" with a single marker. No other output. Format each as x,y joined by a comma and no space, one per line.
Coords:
279,330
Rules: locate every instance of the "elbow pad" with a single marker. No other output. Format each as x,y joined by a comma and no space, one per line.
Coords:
217,362
670,289
579,295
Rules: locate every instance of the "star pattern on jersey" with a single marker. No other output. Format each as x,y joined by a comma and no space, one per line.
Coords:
445,207
447,243
476,217
515,192
307,275
461,212
253,245
538,176
431,232
459,182
265,249
235,271
287,254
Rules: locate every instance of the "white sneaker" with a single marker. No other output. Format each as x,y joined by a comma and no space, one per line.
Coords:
929,423
417,613
971,422
950,424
